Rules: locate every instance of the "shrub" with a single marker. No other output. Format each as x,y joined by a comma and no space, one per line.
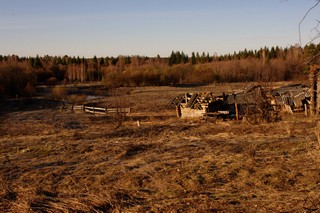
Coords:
114,77
29,90
76,99
51,81
59,93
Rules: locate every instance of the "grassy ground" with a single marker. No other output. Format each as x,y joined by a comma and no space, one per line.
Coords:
55,161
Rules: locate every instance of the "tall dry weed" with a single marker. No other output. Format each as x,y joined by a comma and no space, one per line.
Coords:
317,132
118,101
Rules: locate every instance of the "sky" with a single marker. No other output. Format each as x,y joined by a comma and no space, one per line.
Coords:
150,27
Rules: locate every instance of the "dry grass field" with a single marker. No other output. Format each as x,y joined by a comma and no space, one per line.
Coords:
63,161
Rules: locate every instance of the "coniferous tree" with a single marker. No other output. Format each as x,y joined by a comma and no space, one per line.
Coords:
31,62
114,60
172,59
318,48
101,61
256,54
272,53
203,58
36,62
245,53
69,60
178,58
78,60
198,58
184,58
193,58
73,60
95,60
277,51
310,49
106,61
127,60
208,58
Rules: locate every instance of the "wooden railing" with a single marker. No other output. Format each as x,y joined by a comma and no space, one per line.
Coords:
101,110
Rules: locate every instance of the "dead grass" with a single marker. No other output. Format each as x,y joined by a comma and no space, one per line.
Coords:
55,161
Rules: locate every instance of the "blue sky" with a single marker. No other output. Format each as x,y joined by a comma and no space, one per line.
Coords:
150,27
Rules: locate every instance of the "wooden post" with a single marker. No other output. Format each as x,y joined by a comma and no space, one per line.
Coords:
317,86
186,98
313,97
237,110
305,109
178,111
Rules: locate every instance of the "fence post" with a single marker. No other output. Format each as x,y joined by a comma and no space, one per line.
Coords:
237,110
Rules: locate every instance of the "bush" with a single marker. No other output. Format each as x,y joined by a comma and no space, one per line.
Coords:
51,81
59,93
114,78
76,99
29,90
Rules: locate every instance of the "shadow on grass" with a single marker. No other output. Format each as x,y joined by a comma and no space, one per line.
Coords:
20,105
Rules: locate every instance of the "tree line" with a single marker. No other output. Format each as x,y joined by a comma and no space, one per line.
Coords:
20,75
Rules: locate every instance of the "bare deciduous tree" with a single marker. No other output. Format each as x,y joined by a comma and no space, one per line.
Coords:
316,28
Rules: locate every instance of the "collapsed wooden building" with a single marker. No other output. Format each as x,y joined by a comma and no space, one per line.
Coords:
253,103
292,98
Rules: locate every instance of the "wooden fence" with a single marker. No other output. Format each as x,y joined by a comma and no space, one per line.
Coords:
102,110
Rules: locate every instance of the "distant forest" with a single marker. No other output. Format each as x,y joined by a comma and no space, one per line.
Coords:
20,75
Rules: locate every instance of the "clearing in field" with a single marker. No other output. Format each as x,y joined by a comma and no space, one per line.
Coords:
56,160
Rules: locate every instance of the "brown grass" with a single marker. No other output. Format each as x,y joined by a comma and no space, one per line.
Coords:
55,161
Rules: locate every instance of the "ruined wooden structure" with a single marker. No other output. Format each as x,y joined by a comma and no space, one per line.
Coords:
292,98
254,103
